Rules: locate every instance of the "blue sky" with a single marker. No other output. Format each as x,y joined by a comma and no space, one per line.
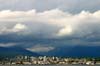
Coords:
43,25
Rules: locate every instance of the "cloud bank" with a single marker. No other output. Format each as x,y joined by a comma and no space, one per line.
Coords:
53,27
54,22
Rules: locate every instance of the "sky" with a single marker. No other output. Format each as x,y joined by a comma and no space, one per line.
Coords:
43,25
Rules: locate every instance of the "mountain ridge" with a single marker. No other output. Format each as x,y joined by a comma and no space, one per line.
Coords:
75,51
15,51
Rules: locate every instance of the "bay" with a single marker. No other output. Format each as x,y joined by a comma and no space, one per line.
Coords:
49,65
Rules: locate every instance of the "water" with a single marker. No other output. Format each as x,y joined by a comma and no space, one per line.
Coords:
49,65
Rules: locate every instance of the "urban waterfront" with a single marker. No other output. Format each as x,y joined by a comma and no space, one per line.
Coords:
48,61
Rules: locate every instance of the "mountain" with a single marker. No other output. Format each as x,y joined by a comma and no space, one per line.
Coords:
15,51
65,51
77,51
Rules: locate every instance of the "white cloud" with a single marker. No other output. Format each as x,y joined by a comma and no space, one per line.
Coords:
26,26
16,28
65,31
19,27
7,45
51,23
41,48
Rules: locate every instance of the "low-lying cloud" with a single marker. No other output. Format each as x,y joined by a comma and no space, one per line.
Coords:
41,48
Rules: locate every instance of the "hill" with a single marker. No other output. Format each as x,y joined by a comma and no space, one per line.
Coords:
77,51
15,51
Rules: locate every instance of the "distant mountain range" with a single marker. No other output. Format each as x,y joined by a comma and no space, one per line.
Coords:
69,51
75,51
15,51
